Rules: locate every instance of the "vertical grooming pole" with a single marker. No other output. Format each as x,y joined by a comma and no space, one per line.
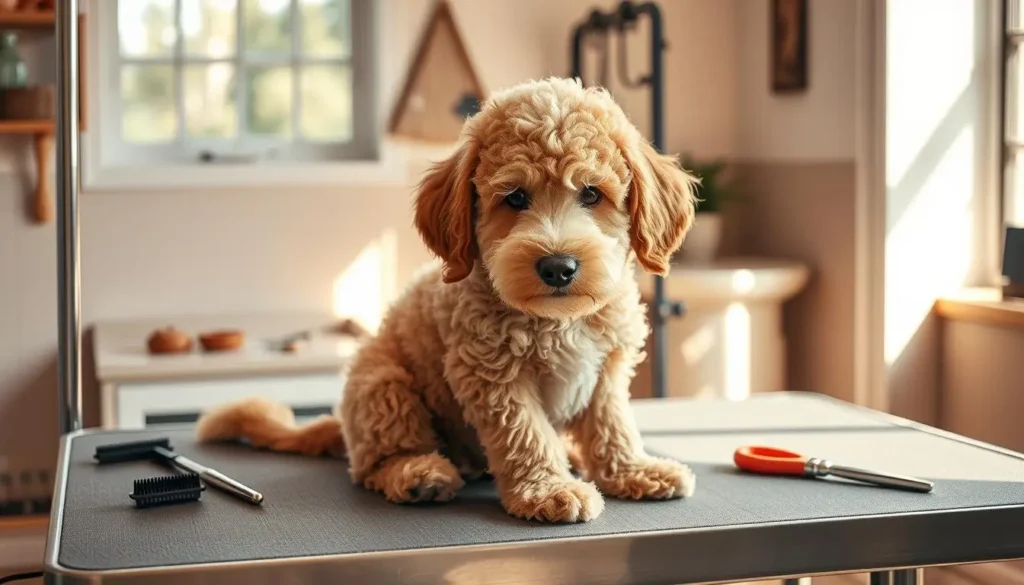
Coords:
663,308
628,13
68,285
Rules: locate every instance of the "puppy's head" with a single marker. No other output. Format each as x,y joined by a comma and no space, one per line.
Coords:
550,192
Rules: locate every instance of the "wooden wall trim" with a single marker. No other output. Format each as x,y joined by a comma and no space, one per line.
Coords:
870,374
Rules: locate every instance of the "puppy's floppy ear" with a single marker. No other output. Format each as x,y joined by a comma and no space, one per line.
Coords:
444,212
661,203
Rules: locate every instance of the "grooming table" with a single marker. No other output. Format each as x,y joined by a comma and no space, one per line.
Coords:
315,527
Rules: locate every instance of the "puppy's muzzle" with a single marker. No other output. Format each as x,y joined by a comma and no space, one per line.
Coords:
558,271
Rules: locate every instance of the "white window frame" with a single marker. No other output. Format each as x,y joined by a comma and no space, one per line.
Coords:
1011,86
108,164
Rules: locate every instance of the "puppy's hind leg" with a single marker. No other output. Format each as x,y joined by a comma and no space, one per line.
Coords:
393,448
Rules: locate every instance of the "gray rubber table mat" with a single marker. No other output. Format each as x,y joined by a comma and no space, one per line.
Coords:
312,509
769,413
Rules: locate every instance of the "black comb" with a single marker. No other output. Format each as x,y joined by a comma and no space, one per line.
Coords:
134,451
166,490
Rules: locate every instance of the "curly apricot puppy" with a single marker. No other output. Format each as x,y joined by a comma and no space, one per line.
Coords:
531,329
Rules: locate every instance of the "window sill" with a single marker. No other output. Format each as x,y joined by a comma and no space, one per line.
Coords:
984,306
391,170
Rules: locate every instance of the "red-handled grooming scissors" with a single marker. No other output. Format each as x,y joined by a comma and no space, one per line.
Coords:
769,460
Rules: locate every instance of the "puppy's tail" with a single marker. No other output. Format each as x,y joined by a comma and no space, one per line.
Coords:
270,425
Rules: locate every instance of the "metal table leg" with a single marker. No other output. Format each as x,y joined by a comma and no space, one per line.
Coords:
900,577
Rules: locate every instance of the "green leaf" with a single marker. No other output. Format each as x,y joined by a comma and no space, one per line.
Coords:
713,192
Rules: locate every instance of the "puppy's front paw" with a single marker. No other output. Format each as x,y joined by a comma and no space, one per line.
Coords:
423,478
649,478
555,500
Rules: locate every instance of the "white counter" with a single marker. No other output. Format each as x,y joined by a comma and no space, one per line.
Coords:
732,279
136,386
121,354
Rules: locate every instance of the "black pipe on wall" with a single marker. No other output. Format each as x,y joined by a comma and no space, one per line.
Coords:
621,19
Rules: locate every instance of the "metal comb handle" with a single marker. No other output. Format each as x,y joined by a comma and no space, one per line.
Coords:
817,467
221,481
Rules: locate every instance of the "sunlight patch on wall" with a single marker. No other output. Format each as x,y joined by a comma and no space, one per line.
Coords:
369,285
934,104
930,55
928,251
737,352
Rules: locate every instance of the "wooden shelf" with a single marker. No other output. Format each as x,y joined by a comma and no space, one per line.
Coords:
26,126
23,522
985,306
26,19
42,131
42,135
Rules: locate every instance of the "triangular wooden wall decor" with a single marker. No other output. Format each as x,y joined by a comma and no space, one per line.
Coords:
442,88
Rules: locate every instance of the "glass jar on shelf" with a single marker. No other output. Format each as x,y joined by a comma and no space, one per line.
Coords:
13,71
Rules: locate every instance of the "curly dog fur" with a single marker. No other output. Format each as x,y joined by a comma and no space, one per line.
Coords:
483,367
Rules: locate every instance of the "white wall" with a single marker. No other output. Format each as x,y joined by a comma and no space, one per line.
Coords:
812,126
797,173
940,176
274,250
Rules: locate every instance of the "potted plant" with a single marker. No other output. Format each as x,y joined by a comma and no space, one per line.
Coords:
713,192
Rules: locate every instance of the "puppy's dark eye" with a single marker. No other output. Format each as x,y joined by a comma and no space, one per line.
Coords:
590,196
517,200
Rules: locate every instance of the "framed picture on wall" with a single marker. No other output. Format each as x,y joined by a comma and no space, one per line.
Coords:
789,45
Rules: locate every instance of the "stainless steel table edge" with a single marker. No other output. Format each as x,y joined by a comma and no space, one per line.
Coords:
839,545
664,557
671,557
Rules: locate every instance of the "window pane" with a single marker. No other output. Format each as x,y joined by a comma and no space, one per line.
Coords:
325,28
269,91
268,26
1014,14
1013,204
147,100
1013,210
209,27
1014,95
210,104
146,27
327,102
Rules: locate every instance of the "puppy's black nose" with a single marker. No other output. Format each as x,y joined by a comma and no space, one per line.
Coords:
557,271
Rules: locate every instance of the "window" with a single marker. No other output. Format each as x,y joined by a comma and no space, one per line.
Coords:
242,81
1013,115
